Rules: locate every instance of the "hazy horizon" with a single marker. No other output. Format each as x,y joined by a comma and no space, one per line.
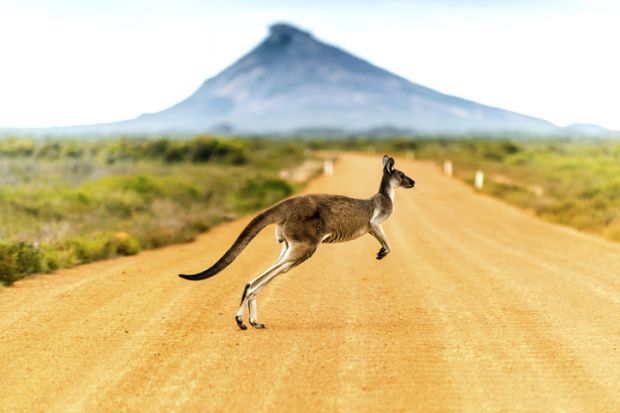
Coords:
76,63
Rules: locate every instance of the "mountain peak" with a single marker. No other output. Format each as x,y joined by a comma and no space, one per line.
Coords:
291,80
285,33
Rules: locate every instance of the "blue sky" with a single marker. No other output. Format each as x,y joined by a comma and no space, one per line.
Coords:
74,62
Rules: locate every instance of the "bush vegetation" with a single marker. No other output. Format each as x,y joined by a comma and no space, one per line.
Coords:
65,202
571,182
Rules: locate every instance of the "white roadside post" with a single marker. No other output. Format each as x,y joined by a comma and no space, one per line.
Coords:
447,167
479,180
328,167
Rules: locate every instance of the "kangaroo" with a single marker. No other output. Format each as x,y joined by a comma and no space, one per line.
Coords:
305,221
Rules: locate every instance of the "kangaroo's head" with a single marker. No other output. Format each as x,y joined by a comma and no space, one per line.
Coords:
396,178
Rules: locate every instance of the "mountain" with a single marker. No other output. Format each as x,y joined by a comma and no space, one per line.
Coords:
588,130
291,81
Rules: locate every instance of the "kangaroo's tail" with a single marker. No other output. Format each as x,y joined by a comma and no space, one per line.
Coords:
249,232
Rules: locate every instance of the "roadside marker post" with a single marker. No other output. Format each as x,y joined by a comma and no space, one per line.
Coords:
328,167
479,180
447,167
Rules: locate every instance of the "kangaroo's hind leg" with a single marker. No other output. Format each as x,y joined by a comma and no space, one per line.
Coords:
245,297
295,255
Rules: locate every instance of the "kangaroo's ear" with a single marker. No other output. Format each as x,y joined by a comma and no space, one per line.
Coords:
385,160
388,164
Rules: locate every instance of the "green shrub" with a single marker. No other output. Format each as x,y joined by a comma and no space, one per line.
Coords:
12,148
49,150
89,248
175,153
260,192
28,259
99,246
121,243
49,258
143,185
20,259
8,264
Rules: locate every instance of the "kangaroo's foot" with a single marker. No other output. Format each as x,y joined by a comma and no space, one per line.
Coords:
240,323
256,324
252,304
382,253
244,300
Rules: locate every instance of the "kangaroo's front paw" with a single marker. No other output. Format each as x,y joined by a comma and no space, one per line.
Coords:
382,253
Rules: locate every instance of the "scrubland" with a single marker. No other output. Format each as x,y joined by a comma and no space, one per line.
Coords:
68,201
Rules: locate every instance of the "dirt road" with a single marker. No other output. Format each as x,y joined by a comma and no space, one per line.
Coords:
479,307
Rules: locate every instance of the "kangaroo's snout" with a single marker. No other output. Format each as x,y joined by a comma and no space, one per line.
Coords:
409,183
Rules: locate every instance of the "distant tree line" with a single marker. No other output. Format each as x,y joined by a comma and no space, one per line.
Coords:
199,149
